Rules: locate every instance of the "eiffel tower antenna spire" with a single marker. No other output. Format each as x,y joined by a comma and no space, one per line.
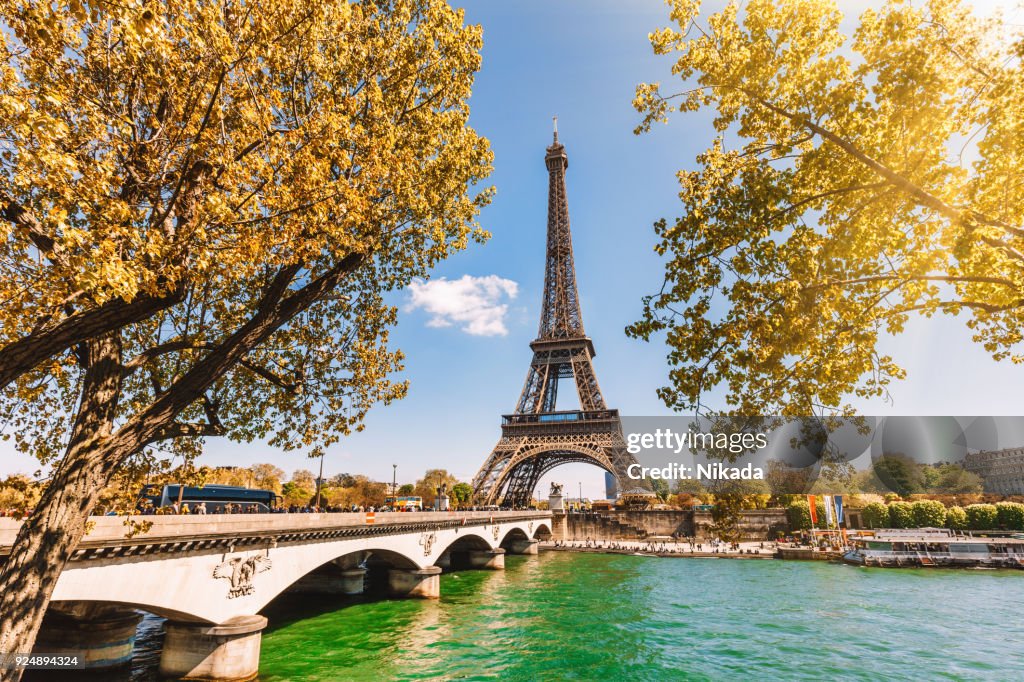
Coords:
554,120
537,437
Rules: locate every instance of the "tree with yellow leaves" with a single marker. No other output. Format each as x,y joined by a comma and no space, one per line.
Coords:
854,181
203,204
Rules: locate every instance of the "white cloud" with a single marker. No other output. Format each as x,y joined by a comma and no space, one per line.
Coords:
472,303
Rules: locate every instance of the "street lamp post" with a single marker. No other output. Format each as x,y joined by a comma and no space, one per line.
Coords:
581,497
319,481
437,494
394,484
441,490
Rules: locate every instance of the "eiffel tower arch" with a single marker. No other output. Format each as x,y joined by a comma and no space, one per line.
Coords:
538,437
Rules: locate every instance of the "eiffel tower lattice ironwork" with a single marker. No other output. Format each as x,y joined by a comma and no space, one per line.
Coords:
537,437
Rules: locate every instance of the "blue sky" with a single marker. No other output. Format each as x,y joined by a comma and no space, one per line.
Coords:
581,60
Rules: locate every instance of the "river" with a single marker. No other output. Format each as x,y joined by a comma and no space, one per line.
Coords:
571,616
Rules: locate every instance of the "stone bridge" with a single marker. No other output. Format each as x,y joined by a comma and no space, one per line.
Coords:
210,576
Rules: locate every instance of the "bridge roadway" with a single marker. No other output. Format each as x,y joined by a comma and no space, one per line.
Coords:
211,575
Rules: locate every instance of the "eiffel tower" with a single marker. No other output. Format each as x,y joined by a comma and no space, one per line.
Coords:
538,437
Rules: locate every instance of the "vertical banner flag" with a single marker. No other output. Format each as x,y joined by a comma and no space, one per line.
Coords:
828,510
814,509
839,510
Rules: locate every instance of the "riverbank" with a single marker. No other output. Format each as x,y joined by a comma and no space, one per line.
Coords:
747,550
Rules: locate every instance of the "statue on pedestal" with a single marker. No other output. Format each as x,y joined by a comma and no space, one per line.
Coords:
555,497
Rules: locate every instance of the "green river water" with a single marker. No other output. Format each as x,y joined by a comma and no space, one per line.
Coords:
572,616
566,616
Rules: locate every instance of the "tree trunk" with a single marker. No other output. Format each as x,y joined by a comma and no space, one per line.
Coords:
49,537
53,531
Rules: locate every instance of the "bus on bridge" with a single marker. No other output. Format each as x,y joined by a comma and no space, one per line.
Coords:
215,497
407,503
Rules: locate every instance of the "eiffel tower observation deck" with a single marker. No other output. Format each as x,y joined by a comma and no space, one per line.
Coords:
538,437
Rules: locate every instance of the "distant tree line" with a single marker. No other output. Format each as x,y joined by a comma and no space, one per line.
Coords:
19,493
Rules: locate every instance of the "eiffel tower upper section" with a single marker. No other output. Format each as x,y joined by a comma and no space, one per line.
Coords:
560,316
562,347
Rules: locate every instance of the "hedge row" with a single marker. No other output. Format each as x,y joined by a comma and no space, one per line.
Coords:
925,514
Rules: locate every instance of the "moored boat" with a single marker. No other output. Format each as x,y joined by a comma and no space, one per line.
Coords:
935,547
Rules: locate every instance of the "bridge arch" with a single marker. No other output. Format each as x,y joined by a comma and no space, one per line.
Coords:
468,541
350,573
84,608
514,535
390,557
473,550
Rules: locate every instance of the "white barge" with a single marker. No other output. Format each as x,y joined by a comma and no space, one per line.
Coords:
931,547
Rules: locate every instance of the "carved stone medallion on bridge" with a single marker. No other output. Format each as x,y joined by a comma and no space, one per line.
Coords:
240,571
496,531
536,437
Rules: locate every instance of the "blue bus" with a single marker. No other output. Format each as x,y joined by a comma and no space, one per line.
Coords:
216,497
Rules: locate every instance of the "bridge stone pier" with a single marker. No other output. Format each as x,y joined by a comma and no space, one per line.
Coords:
524,547
229,651
492,559
211,576
422,583
103,634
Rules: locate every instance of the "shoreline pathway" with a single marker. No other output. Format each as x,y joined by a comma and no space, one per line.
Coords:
747,550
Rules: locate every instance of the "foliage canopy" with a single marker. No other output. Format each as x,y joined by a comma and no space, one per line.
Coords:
165,168
855,181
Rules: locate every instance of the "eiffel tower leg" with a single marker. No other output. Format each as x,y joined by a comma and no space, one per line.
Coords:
516,490
620,459
586,381
522,482
551,391
540,392
533,390
485,491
